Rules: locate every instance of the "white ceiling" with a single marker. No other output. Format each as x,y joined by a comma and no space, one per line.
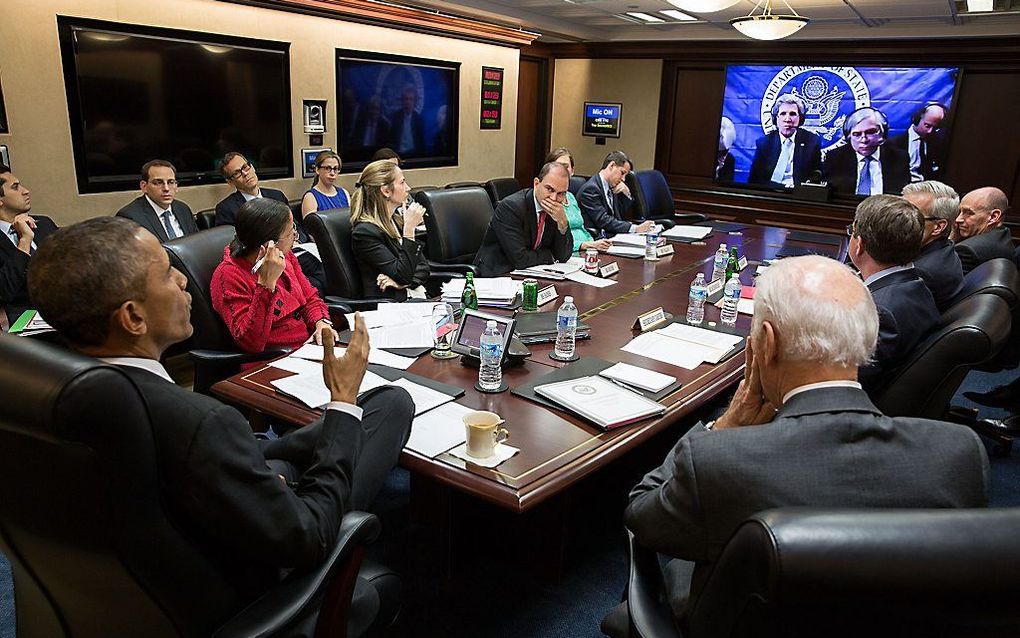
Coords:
599,21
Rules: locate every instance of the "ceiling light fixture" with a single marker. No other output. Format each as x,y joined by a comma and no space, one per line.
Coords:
767,25
703,6
645,16
678,15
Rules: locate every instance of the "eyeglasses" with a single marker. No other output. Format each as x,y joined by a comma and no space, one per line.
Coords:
293,230
241,171
871,132
330,169
159,183
850,229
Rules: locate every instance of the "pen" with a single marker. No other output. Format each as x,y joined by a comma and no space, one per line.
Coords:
258,264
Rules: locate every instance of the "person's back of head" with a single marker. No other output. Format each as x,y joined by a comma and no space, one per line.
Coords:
888,229
368,202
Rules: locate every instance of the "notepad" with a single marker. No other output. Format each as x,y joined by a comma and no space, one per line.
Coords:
438,430
600,401
687,232
311,390
638,377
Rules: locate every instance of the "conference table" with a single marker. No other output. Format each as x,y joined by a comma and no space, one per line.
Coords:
557,450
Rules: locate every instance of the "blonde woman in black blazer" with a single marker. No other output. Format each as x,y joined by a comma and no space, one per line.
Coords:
391,261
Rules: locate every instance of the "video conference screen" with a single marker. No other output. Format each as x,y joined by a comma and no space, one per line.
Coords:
406,104
137,93
863,130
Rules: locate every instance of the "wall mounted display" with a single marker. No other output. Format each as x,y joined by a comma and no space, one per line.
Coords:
601,119
5,156
406,104
137,93
492,98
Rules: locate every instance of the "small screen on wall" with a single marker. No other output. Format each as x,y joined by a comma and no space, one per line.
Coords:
601,119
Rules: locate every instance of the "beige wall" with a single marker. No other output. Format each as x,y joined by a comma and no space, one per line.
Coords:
635,83
40,140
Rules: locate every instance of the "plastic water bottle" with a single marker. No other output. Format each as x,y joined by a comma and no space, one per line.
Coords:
719,265
651,244
731,296
696,306
566,324
490,350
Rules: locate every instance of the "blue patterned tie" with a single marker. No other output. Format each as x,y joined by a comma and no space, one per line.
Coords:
170,233
864,182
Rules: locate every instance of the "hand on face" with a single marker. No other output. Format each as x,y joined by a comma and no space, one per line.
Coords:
622,189
555,210
343,376
273,264
749,405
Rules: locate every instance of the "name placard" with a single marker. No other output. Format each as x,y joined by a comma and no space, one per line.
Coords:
546,295
651,319
609,269
742,263
715,287
663,251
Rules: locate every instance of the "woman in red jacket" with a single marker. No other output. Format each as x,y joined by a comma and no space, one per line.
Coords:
259,290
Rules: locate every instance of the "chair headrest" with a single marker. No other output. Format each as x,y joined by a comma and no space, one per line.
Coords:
197,255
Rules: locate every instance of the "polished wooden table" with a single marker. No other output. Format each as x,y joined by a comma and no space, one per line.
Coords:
558,450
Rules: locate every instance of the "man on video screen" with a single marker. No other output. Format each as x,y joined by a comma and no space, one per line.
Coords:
866,165
788,155
924,142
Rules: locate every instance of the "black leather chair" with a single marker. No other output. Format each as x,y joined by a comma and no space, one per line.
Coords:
654,200
464,185
997,277
501,187
213,349
455,224
205,219
969,334
93,551
848,573
422,189
576,182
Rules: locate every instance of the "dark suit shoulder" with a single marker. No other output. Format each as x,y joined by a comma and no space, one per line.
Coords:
515,202
273,193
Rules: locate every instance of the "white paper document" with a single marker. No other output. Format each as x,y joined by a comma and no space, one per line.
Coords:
313,352
638,377
393,314
500,453
490,290
687,232
600,400
548,271
590,280
629,239
626,251
438,430
668,350
310,248
424,398
297,365
311,390
718,340
416,334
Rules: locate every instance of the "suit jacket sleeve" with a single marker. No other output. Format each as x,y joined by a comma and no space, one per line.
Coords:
226,213
245,307
13,273
665,512
968,258
186,218
759,165
247,506
885,350
372,246
596,214
508,225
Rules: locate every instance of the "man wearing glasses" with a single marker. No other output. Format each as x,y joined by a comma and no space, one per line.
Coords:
865,165
156,210
239,173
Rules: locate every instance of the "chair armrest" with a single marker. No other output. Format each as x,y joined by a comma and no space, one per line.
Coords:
439,270
689,218
355,304
302,593
224,357
649,613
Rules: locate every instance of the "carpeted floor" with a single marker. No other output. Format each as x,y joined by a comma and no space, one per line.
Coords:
495,593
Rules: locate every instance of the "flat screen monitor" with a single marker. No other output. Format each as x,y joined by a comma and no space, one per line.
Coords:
834,121
601,119
136,93
402,103
472,325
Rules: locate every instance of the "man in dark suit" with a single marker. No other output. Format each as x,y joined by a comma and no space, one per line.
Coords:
22,235
788,155
978,230
923,142
239,173
798,432
938,264
885,238
605,199
529,227
407,131
865,165
253,506
156,210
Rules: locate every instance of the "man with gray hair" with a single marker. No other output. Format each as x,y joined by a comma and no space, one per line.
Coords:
885,238
938,264
978,230
790,154
798,432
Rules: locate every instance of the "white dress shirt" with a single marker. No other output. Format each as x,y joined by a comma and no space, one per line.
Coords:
173,218
156,368
888,271
5,228
820,384
914,148
248,198
875,169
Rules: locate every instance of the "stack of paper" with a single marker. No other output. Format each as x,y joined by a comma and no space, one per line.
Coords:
633,239
309,388
687,232
491,291
393,314
638,377
590,280
29,323
548,271
438,430
313,352
626,251
683,345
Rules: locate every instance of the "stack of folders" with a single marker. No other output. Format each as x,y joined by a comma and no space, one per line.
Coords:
556,272
499,292
605,403
30,323
540,327
682,345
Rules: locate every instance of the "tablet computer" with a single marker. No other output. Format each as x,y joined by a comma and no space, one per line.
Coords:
472,325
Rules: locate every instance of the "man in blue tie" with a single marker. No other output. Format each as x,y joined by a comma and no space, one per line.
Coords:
157,210
865,165
22,234
789,154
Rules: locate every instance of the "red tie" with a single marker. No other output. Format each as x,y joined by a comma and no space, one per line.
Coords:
541,229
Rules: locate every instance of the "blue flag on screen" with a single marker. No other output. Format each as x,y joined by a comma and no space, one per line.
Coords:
831,94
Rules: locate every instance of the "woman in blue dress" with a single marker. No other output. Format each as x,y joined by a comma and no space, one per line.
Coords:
324,193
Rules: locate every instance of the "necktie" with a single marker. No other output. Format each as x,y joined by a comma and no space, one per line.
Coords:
541,229
784,166
14,235
864,181
170,233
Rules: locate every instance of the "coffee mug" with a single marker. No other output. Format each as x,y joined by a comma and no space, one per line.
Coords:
483,433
